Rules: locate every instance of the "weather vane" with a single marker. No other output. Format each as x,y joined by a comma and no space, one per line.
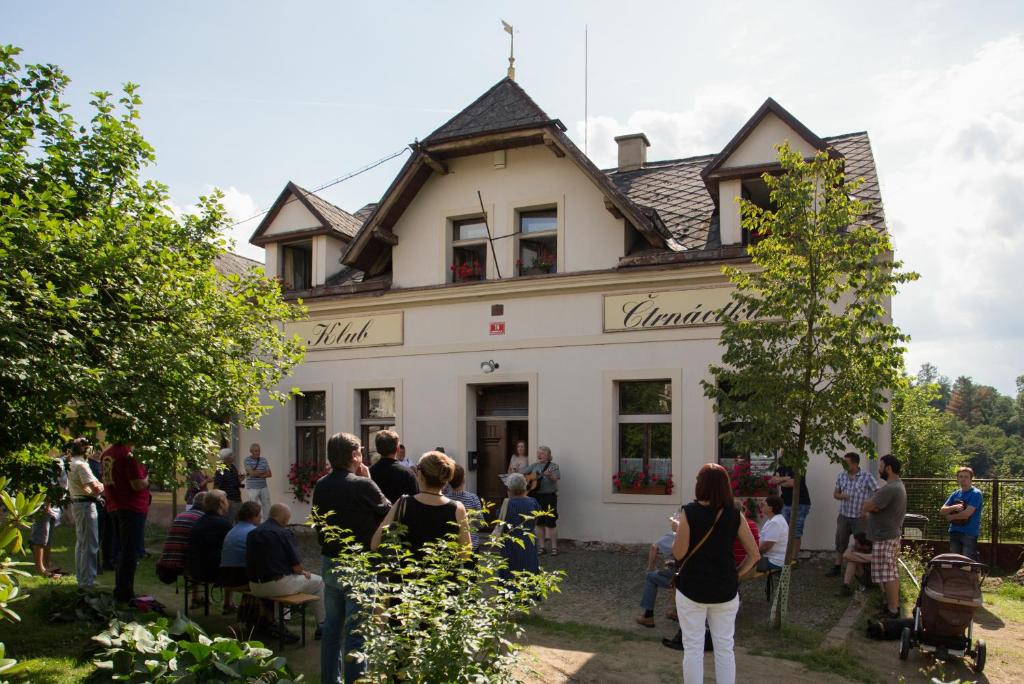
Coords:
511,49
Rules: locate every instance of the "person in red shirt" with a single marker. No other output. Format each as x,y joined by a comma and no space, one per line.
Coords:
128,496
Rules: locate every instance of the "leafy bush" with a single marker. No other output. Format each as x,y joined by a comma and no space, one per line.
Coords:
161,653
15,513
31,469
450,617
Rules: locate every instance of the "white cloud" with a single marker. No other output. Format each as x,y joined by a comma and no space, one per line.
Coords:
950,149
239,206
949,145
716,115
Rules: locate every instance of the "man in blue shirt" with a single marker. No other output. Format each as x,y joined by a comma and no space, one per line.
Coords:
232,555
963,511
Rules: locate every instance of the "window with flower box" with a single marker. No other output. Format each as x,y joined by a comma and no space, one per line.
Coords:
747,470
469,250
311,429
376,413
538,242
644,424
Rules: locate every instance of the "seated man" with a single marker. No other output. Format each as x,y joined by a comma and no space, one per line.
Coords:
658,578
273,565
175,552
207,540
774,535
232,555
857,557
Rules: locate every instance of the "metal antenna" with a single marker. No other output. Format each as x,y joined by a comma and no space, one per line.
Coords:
511,49
487,226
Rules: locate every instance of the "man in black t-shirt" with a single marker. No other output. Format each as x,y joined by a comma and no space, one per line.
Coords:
348,500
392,477
784,479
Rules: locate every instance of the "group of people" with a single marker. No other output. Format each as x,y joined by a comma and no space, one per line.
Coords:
712,545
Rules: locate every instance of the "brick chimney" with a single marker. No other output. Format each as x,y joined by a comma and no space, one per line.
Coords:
632,151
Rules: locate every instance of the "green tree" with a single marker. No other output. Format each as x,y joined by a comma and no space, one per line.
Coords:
922,437
112,312
818,355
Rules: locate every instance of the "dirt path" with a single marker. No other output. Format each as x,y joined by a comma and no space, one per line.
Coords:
552,659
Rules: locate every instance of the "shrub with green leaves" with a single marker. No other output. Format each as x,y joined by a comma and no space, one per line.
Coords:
16,512
161,653
447,615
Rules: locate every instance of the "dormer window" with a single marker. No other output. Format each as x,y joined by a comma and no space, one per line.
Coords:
538,242
755,190
297,266
469,250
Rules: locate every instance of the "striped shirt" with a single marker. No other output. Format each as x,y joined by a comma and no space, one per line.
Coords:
858,488
472,502
258,465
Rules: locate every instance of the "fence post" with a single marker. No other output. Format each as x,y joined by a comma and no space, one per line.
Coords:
995,522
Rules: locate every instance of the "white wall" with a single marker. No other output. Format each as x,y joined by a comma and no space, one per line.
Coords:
557,339
292,217
589,236
759,146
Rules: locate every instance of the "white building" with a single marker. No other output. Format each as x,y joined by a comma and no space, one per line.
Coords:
586,324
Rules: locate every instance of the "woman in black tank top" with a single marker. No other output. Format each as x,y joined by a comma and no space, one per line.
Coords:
429,515
707,582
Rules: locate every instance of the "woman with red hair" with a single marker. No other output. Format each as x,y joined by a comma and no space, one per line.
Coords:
707,583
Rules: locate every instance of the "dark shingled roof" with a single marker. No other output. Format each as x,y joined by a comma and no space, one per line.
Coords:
676,190
230,263
364,212
506,106
336,217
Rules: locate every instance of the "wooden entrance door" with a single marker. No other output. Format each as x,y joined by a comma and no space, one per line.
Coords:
492,458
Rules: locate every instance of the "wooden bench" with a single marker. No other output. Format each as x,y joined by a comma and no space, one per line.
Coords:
297,602
189,583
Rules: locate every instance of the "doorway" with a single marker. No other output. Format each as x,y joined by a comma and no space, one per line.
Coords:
502,420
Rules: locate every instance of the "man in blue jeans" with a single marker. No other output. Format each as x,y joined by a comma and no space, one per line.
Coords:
963,511
349,500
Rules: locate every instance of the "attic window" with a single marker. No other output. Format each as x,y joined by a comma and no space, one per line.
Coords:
538,242
756,191
297,266
469,250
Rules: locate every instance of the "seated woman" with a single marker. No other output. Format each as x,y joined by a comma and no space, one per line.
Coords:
428,515
518,524
206,542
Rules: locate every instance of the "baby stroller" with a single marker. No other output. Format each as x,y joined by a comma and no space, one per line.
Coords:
949,595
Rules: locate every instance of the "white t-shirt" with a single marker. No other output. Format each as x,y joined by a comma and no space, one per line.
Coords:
776,529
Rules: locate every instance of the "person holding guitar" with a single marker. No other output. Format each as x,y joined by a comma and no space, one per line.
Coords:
542,478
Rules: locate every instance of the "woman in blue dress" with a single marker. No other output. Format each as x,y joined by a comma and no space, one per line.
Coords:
518,524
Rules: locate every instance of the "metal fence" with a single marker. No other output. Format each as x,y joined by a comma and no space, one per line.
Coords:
1002,513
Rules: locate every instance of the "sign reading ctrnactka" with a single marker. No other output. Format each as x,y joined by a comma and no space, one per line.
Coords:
672,309
346,333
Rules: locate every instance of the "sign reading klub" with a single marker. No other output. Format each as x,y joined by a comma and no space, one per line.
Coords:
348,332
670,309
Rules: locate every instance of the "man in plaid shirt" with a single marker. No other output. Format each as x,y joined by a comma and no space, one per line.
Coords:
853,487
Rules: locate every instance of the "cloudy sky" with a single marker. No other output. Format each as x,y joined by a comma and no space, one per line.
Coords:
245,96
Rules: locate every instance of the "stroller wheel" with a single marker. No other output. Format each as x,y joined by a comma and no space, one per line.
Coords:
905,643
979,655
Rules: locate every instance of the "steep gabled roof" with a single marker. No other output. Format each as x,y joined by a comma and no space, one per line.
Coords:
676,190
333,220
504,107
504,117
770,106
230,263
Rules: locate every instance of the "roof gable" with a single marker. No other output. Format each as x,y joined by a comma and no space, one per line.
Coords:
504,107
329,219
775,118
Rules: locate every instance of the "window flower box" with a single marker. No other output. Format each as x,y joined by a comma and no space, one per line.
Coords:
641,482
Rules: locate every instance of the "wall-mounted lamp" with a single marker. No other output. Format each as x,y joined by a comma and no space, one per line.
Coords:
489,366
